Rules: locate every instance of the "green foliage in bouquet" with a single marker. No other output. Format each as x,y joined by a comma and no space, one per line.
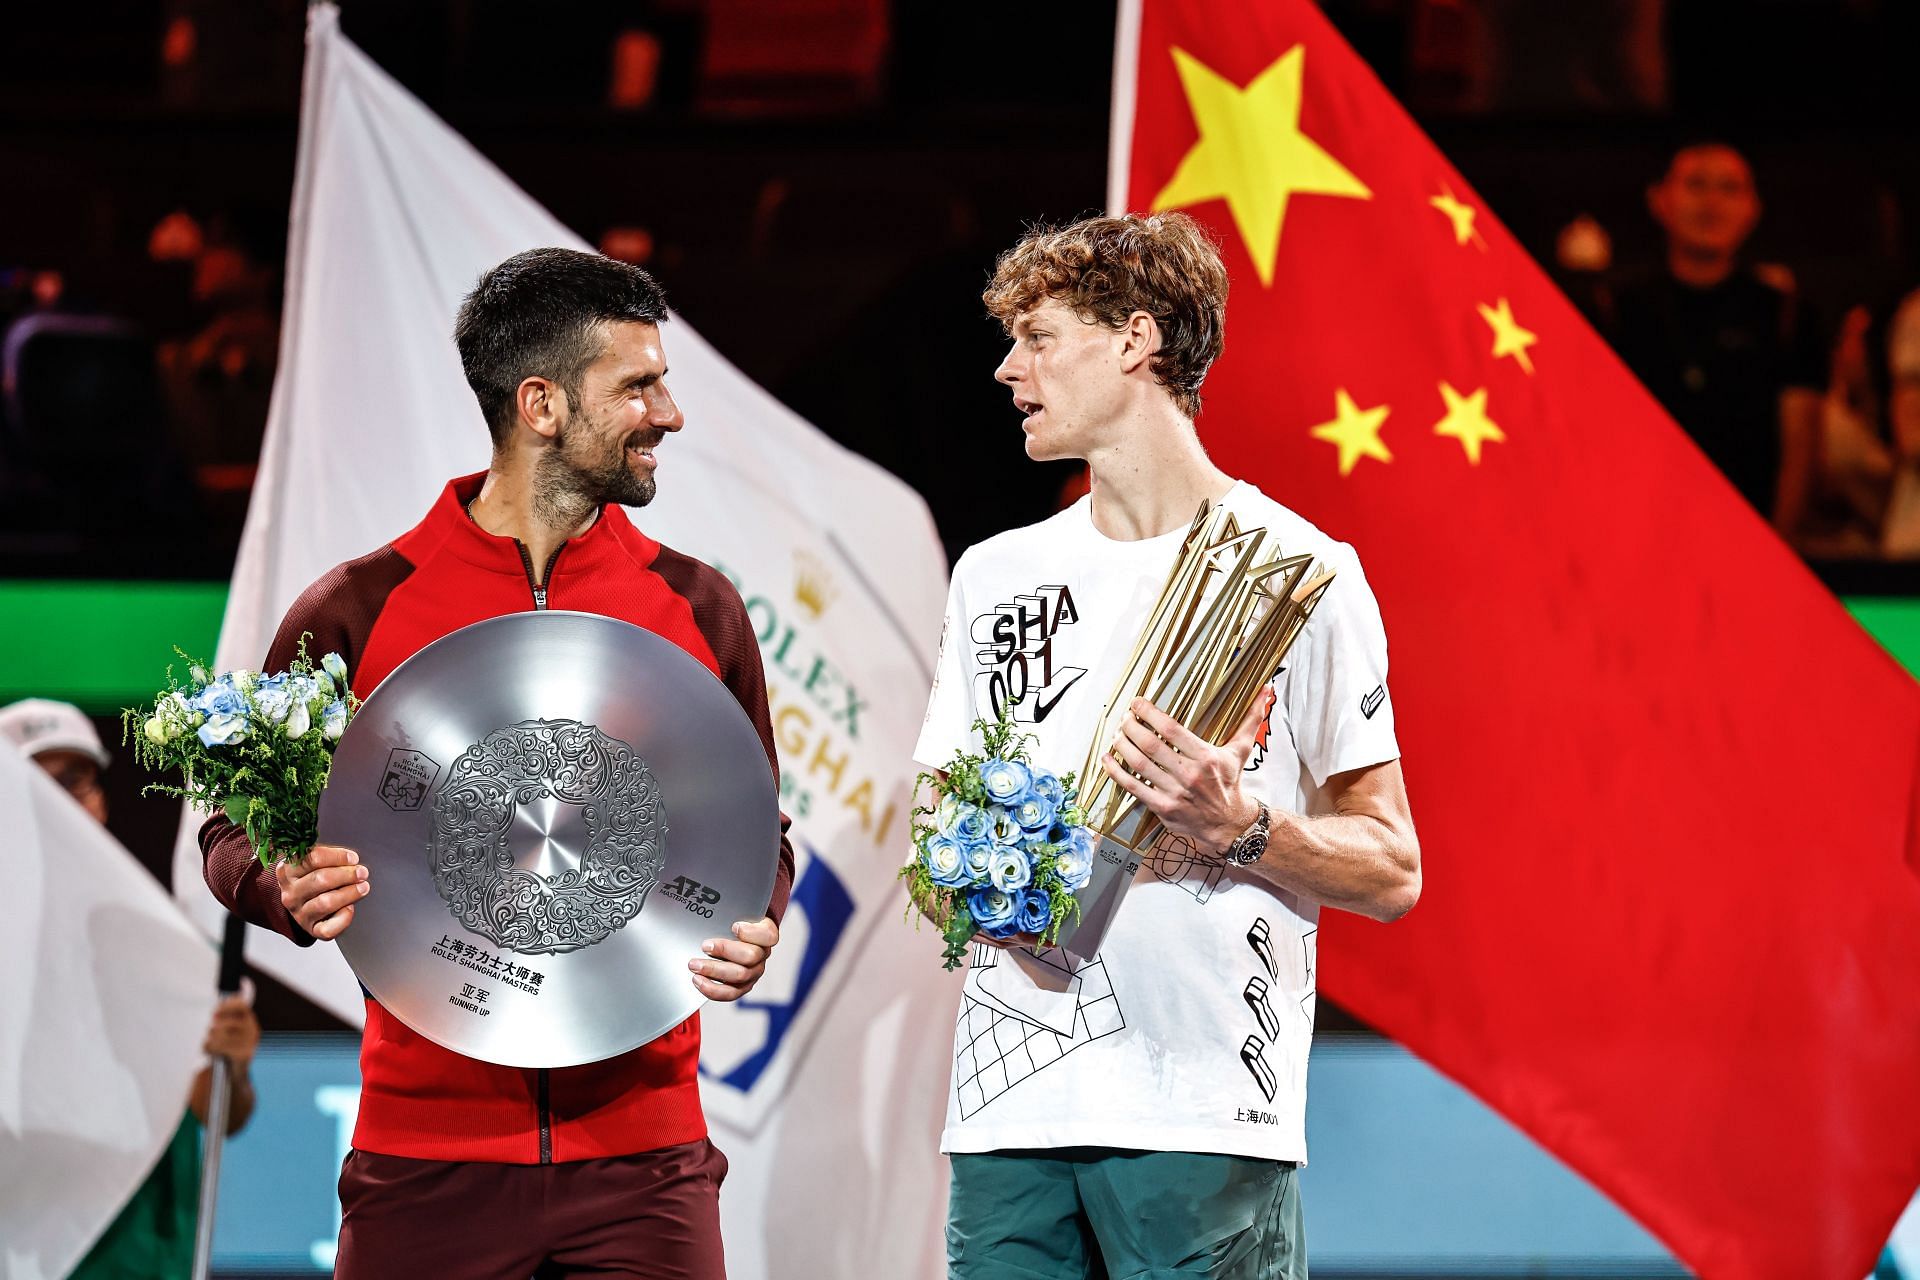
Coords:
255,747
1001,848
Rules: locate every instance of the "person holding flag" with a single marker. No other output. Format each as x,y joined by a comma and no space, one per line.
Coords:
1142,1111
152,1236
461,1167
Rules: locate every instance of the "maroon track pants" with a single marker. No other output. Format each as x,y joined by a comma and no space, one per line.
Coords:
655,1214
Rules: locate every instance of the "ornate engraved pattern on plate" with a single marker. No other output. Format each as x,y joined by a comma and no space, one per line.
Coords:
617,808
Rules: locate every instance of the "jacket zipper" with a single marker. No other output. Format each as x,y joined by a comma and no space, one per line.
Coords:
546,1117
539,584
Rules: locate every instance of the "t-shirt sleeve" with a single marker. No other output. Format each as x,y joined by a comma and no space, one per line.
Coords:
948,727
1335,682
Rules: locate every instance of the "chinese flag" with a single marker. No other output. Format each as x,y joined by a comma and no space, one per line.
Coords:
1665,786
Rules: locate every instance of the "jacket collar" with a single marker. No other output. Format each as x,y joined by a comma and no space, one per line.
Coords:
447,527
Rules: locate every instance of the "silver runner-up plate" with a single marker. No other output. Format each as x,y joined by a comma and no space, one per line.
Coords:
555,810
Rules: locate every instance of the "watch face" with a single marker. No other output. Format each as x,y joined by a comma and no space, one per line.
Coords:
1252,845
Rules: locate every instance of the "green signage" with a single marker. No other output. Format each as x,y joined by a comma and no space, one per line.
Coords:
106,645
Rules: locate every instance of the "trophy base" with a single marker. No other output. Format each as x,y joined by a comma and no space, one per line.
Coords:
1114,867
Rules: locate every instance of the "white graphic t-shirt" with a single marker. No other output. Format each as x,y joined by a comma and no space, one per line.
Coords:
1189,1030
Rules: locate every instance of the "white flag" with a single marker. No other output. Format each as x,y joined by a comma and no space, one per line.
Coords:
109,990
838,1061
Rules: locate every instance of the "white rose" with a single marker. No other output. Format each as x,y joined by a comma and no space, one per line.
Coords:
299,720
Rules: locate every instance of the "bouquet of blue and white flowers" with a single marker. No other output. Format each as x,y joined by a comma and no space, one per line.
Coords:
256,747
1002,848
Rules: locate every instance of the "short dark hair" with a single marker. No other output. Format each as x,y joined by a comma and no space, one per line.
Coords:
1106,268
1684,143
538,315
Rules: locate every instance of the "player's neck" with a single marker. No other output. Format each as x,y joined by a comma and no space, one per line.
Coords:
1151,476
510,505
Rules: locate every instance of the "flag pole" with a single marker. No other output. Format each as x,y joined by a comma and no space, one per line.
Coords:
232,960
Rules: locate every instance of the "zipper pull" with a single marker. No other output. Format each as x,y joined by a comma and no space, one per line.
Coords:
539,597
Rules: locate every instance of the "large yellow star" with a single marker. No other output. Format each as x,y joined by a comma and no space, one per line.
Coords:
1355,430
1509,339
1460,214
1251,152
1467,421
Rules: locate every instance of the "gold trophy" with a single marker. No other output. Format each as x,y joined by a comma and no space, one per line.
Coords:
1230,609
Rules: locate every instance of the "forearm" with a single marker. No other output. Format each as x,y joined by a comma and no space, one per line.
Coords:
1354,861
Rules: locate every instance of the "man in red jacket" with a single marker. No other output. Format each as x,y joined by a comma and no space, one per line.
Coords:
460,1167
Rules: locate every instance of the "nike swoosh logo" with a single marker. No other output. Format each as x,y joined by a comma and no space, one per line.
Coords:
1043,706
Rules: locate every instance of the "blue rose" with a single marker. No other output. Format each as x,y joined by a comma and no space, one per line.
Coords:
946,863
995,913
1006,829
968,823
333,721
299,720
309,690
334,666
1005,780
1034,812
274,698
978,858
1045,783
1075,862
1036,911
220,699
223,729
1009,869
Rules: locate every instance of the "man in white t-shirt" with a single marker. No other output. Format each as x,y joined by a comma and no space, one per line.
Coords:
1141,1113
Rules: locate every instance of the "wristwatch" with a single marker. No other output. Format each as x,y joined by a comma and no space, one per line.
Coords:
1252,844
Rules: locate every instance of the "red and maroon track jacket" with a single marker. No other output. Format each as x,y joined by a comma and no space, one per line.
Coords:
418,1099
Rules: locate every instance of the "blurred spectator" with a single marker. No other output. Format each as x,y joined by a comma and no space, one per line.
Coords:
219,380
176,238
1524,57
1733,356
1870,491
1900,531
153,1237
628,244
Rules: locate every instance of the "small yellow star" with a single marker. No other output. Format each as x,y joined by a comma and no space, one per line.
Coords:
1467,421
1355,430
1461,215
1251,152
1509,339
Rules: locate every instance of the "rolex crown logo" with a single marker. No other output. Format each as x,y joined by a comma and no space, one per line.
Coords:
812,586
